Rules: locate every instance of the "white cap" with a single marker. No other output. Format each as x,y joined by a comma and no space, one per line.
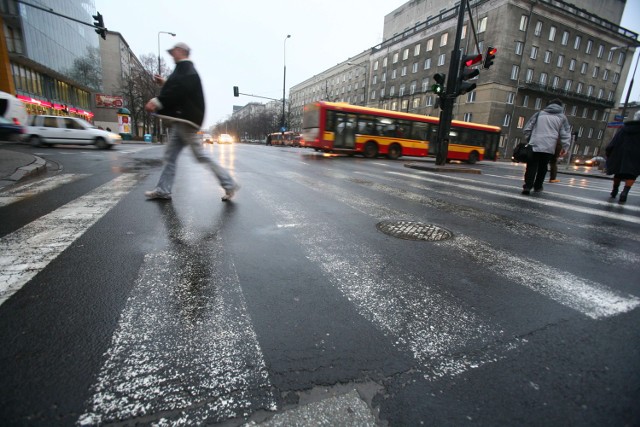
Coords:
180,45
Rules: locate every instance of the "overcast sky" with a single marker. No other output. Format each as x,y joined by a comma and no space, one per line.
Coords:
241,42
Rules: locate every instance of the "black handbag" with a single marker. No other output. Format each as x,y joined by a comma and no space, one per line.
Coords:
523,152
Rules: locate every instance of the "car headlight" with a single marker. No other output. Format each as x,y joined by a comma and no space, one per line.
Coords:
115,136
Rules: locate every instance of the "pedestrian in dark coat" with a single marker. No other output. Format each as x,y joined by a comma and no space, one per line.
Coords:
623,157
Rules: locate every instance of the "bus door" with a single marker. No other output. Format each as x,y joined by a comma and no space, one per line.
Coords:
345,132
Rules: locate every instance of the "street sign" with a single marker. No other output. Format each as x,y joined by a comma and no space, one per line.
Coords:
618,118
614,124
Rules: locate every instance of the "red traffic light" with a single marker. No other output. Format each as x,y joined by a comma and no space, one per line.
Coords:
470,60
492,51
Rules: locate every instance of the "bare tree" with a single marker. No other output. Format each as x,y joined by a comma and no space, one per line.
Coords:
87,69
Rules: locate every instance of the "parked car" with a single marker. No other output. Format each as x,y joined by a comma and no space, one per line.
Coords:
594,161
50,130
9,131
12,109
225,138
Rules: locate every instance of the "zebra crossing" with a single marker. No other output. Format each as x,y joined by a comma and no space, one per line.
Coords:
192,355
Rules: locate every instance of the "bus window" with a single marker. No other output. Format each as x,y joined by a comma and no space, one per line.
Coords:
367,125
419,131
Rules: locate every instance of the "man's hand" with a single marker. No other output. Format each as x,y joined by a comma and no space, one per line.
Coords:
562,152
158,79
150,107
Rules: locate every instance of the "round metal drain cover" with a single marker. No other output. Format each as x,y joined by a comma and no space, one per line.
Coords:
410,230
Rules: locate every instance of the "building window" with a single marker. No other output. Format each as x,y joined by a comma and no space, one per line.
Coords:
520,124
427,63
543,78
401,91
574,110
414,69
468,117
416,50
373,94
405,104
524,20
601,93
394,105
384,62
412,87
529,77
621,58
482,26
394,73
567,85
547,57
600,134
605,75
405,54
565,38
507,120
610,96
519,47
511,97
471,97
515,70
395,58
590,133
560,61
443,39
572,64
429,45
589,46
556,82
610,56
594,116
404,71
583,68
590,90
425,85
579,88
415,103
596,71
576,42
616,77
392,91
384,77
375,80
552,33
534,52
538,103
375,66
538,30
442,59
585,112
600,51
429,101
525,101
464,32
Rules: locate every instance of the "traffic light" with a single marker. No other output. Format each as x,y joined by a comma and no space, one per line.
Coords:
99,24
489,57
438,87
236,91
467,73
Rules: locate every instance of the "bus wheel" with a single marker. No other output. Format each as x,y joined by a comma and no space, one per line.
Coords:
473,157
395,151
370,150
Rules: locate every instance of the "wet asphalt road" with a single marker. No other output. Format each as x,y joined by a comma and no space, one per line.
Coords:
194,311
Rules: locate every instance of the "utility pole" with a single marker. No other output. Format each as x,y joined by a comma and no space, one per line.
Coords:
450,93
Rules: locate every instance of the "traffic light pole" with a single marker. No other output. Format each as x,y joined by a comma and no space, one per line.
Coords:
449,97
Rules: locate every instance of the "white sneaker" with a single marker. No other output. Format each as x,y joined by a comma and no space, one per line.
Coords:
155,194
230,193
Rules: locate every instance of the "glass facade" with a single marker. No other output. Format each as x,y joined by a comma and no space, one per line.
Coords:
66,54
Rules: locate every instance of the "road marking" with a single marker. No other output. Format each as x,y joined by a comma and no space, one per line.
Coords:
27,251
16,194
574,208
587,297
419,319
184,347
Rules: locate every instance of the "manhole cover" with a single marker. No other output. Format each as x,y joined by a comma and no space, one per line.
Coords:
410,230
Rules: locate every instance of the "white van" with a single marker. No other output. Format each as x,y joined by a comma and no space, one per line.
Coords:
11,108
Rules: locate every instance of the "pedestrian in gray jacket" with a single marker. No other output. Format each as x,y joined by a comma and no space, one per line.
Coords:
543,131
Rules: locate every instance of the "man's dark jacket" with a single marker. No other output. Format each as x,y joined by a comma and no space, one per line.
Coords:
181,95
623,152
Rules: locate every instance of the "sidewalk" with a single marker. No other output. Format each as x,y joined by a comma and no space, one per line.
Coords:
15,166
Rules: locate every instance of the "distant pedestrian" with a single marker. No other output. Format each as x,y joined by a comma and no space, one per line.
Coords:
181,101
553,164
545,130
623,157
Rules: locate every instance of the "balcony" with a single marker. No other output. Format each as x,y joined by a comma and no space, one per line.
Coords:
549,90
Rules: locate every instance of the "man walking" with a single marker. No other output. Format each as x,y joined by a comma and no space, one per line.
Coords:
543,131
181,101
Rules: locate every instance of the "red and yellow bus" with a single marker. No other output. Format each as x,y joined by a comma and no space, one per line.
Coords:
290,139
372,132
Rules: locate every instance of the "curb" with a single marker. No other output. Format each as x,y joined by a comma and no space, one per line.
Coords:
39,165
433,168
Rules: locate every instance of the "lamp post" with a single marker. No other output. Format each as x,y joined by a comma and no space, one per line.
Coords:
626,100
284,79
162,32
366,78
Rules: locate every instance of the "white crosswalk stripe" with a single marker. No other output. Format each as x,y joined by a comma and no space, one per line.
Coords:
28,190
27,251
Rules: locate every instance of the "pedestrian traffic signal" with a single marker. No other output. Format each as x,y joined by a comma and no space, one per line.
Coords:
438,87
236,91
489,57
467,73
99,24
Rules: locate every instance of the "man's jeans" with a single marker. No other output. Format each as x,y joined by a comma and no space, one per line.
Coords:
181,135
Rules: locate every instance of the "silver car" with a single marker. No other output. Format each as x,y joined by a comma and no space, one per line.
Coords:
50,130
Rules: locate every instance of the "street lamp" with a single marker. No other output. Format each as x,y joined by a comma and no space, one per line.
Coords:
626,100
284,79
366,78
162,32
